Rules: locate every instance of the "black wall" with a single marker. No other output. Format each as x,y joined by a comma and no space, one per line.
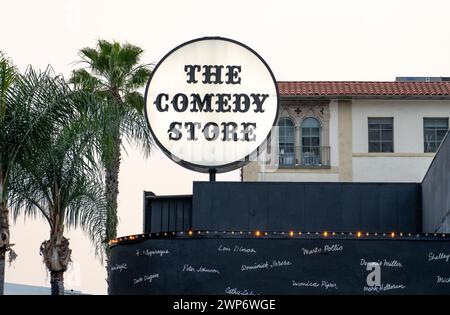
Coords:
249,265
280,206
436,191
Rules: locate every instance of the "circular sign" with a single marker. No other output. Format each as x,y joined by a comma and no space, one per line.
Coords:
210,103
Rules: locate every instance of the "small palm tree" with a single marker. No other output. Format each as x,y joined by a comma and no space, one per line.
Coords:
114,73
22,122
59,179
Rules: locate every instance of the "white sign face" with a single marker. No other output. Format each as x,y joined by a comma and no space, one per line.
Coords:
210,103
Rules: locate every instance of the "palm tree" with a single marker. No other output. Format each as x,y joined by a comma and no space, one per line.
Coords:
113,72
21,123
59,178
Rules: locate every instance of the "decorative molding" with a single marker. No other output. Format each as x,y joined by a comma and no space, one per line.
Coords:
298,110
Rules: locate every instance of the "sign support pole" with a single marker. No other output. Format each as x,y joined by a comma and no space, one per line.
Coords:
212,174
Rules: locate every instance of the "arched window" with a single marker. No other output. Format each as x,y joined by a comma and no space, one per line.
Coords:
286,136
310,142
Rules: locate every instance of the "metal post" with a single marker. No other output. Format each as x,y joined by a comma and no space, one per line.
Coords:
212,174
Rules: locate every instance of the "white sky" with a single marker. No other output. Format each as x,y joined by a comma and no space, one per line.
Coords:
300,40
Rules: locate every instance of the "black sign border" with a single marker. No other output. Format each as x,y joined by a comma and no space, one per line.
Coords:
197,167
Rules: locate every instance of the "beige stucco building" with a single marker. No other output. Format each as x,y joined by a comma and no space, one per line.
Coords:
354,131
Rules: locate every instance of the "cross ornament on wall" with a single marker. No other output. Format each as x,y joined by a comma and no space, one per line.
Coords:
298,111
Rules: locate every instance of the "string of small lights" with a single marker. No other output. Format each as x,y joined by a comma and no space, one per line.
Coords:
271,234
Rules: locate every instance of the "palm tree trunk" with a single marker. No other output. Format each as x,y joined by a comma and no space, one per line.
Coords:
2,271
111,193
57,282
4,230
56,254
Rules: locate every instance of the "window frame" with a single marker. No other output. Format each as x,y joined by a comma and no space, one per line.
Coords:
306,150
435,131
381,141
319,128
285,144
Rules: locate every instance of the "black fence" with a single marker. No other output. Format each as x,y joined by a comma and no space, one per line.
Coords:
167,213
278,206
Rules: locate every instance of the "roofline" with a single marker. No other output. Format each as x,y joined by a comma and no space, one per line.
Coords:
311,96
156,197
344,81
351,97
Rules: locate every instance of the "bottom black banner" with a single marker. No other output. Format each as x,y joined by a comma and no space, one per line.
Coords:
222,304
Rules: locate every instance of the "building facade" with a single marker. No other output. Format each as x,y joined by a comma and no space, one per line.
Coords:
354,132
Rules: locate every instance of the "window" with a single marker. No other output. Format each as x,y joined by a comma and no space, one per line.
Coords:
381,135
310,141
286,134
434,130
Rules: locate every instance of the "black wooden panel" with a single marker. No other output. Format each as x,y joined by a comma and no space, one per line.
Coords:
167,213
187,214
370,207
241,220
294,212
255,217
351,206
405,202
331,208
287,203
389,211
156,213
178,216
312,201
147,210
165,206
264,213
220,217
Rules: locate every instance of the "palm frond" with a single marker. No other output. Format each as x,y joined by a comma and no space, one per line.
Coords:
8,74
135,100
104,46
89,55
83,80
129,56
136,132
138,78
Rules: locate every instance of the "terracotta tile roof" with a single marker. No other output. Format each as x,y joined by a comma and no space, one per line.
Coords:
363,89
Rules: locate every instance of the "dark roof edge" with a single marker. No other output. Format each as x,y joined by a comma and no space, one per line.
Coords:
350,97
346,81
